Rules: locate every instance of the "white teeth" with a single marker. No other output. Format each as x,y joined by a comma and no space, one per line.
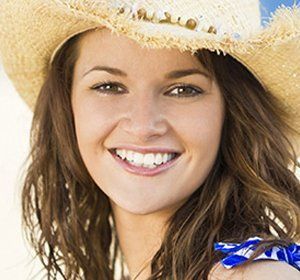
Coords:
165,157
122,153
158,159
149,159
138,159
146,160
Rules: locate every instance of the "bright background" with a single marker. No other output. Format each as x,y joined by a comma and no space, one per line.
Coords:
270,5
15,119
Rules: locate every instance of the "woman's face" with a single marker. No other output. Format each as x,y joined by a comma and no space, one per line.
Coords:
142,110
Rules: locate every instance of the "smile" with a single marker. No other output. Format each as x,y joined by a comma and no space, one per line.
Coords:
144,164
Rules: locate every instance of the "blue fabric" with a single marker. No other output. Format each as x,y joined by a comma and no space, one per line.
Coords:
238,253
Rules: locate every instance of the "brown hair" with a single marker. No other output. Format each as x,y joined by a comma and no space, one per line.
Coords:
251,190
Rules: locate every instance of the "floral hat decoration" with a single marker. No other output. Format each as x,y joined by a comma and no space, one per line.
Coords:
32,31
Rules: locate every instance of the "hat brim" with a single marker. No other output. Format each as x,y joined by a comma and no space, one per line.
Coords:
28,43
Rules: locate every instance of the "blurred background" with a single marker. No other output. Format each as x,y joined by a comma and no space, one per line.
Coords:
15,118
268,6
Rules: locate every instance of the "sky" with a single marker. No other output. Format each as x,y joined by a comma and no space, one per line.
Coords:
270,5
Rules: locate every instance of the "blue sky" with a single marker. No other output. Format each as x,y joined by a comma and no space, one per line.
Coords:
270,5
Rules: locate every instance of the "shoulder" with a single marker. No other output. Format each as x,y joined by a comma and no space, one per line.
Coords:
258,270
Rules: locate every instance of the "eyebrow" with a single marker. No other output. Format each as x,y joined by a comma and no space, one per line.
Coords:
171,75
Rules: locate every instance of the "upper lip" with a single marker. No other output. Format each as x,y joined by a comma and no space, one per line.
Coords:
145,150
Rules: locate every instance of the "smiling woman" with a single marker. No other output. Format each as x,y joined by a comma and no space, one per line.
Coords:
140,117
176,163
143,115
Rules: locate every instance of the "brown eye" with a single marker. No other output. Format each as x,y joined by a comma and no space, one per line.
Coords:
108,87
185,91
182,90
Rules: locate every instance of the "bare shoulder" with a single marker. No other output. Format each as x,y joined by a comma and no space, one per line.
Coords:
258,270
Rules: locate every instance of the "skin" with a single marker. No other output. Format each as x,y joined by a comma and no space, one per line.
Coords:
258,270
142,112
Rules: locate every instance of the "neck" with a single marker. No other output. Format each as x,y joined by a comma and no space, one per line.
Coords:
140,237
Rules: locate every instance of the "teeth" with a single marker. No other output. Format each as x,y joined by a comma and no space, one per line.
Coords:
146,160
138,159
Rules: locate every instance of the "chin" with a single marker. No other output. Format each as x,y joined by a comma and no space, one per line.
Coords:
143,208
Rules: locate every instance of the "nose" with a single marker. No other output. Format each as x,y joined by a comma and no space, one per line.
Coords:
144,118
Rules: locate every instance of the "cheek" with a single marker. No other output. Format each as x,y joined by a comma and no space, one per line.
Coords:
93,121
202,127
202,136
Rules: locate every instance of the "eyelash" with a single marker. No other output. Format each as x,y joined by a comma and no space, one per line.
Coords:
197,91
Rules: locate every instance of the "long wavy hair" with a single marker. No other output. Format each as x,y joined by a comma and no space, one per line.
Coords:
251,190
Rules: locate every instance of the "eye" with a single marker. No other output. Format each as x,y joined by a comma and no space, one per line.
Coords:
108,87
185,90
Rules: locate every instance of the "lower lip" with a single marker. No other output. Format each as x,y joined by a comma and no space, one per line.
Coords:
143,171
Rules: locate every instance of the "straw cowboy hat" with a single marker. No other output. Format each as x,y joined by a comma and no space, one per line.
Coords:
31,32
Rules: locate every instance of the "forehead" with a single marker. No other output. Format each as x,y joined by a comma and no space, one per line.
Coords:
102,46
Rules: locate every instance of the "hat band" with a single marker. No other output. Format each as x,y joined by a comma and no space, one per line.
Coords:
197,24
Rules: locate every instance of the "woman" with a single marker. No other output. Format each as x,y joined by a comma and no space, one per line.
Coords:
177,161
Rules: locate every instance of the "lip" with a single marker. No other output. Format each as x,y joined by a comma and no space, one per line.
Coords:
145,150
143,171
